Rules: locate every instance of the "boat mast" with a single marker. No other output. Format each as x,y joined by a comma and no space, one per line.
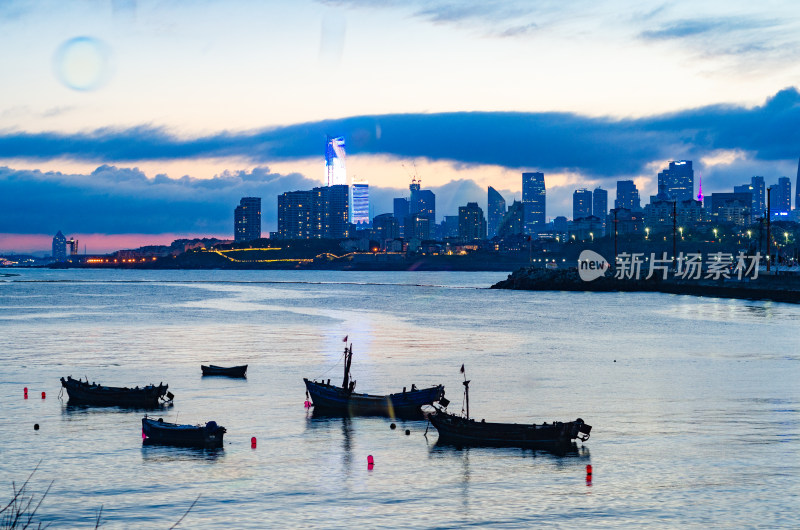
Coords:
348,358
466,390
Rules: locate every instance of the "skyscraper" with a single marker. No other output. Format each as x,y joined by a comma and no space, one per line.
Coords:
496,206
59,247
600,207
581,203
335,173
678,180
294,215
534,202
627,196
471,222
247,219
781,196
759,191
330,212
359,203
797,187
422,203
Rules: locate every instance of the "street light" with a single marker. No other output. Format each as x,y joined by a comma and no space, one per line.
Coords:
681,231
646,233
591,234
715,233
786,237
749,234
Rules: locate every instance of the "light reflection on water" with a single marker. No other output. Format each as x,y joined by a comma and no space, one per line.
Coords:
694,401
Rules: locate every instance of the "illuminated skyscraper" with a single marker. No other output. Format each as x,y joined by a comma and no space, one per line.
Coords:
759,191
581,203
60,247
534,202
471,222
294,215
678,180
496,211
627,196
797,188
359,203
335,172
600,207
781,199
422,204
247,219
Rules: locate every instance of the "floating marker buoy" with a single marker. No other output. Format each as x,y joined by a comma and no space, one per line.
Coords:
26,392
370,460
35,426
408,432
143,435
589,469
307,404
253,442
392,426
43,395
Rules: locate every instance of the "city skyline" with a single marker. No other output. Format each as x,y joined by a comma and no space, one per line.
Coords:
105,104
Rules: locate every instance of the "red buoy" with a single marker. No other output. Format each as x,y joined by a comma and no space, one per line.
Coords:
143,435
589,469
370,460
43,395
253,442
307,404
26,392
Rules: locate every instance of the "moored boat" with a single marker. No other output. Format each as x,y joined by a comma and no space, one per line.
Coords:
344,400
95,394
231,371
466,431
159,431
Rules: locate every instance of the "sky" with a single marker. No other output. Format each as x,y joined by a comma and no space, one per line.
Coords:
130,122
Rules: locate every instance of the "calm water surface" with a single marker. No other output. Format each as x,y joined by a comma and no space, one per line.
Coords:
695,402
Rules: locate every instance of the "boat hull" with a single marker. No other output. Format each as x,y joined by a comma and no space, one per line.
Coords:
81,392
233,371
333,399
460,431
163,433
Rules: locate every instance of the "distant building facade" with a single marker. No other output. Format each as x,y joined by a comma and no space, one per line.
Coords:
600,207
59,247
359,203
320,213
247,219
534,200
513,222
581,203
678,180
496,206
627,196
471,222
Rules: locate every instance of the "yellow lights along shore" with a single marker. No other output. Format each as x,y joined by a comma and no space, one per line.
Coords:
224,254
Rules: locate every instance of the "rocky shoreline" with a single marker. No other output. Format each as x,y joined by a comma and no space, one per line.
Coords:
776,288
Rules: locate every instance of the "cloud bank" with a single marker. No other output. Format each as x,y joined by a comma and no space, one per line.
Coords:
548,141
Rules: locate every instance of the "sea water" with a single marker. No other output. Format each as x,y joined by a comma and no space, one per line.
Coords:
694,402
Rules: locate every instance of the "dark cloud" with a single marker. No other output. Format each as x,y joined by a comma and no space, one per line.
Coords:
603,148
116,200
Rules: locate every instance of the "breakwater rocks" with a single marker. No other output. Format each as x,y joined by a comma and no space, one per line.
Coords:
780,288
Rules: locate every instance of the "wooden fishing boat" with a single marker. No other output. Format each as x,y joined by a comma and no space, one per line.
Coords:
95,394
465,431
161,432
232,371
333,399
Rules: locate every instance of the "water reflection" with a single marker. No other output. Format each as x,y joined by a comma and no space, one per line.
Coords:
73,410
152,452
556,454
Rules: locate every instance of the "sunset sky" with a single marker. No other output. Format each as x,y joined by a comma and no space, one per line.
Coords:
130,122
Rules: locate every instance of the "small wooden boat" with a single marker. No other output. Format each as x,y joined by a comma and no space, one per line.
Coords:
232,371
160,432
463,430
94,394
344,400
